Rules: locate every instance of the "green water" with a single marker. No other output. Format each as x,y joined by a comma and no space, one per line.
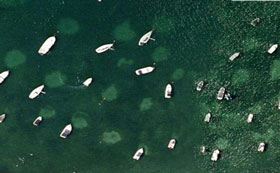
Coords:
194,40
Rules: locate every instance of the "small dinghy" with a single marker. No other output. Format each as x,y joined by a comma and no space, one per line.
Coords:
105,47
200,86
144,70
37,121
272,49
207,117
37,91
261,147
250,118
228,96
221,93
215,155
87,82
171,144
168,91
255,21
203,149
138,154
234,56
66,131
4,75
46,46
145,38
2,117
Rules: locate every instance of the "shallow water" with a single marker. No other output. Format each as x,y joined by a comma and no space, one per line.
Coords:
121,112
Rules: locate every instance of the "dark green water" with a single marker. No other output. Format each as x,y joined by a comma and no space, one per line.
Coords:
194,40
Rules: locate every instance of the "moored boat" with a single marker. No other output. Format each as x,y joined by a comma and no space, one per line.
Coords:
145,38
221,93
37,121
144,70
207,117
46,46
255,21
87,82
168,91
272,49
250,118
34,93
2,117
138,154
261,147
203,149
215,155
105,47
279,105
171,144
66,131
234,56
4,75
200,86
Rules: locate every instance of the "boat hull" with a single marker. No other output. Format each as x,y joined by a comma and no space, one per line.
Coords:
168,91
36,92
104,48
47,45
144,70
145,38
66,131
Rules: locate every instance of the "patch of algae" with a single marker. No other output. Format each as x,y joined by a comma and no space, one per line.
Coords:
78,120
68,26
14,58
47,112
222,143
160,54
123,32
146,104
163,24
250,43
178,74
275,70
124,61
110,93
240,77
111,137
55,79
11,3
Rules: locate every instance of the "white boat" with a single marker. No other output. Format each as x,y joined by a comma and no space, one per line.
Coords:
250,118
207,117
203,149
255,21
46,46
261,147
34,93
168,91
272,49
4,75
234,56
215,155
2,117
279,105
221,93
138,154
87,82
171,144
199,86
66,131
145,38
105,47
37,121
144,70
